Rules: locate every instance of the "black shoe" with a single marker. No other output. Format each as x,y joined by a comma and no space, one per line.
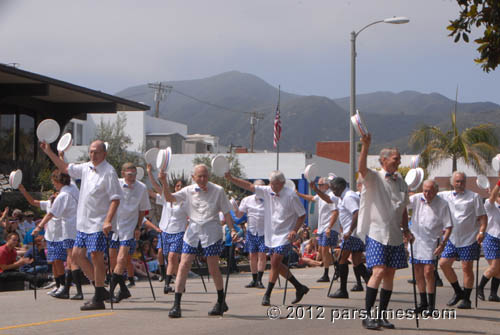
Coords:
324,279
382,322
105,294
251,284
370,323
161,279
480,293
167,289
93,305
339,294
465,304
217,310
175,312
299,293
495,298
266,300
411,281
260,285
453,301
357,288
421,308
64,294
121,296
78,296
439,282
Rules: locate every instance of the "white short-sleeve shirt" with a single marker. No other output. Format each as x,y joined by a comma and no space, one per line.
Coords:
99,186
465,209
135,199
65,208
203,210
281,212
427,224
174,216
254,208
383,202
53,228
348,206
325,211
493,212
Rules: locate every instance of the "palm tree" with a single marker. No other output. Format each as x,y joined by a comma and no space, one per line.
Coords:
476,145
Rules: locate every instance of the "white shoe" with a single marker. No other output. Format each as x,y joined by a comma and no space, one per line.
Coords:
53,291
50,285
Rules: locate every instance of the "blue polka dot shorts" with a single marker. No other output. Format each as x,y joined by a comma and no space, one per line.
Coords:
353,244
328,241
56,251
127,243
172,242
92,242
422,261
255,243
283,250
491,247
467,253
68,243
388,255
212,250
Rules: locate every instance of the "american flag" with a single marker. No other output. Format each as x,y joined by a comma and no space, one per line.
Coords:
277,125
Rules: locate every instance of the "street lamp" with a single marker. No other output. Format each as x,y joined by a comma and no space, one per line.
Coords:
352,150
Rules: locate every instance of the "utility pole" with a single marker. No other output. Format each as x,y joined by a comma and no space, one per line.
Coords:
161,90
254,118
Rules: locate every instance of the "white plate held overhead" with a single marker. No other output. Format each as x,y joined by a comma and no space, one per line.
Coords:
415,162
48,131
15,178
161,160
411,178
358,124
150,156
140,173
495,163
420,178
311,172
65,142
482,182
220,165
168,153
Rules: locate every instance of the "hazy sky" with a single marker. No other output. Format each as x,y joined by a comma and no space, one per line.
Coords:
302,45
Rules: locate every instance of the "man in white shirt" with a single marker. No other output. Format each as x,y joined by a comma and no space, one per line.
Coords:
204,201
284,214
254,240
382,215
133,207
328,232
469,225
491,245
100,195
431,216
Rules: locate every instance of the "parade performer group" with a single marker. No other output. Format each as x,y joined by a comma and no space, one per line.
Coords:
102,217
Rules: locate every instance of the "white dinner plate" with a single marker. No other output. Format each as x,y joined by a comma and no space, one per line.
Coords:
48,131
140,173
15,178
311,172
65,142
220,165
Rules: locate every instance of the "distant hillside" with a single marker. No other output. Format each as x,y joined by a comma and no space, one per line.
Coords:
219,105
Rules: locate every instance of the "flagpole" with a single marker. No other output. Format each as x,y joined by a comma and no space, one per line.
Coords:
278,142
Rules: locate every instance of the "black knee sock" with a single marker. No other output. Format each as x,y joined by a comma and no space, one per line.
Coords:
432,301
344,273
220,296
69,280
62,280
326,272
58,281
131,280
385,297
260,274
99,293
177,301
370,297
270,287
494,286
456,287
423,299
77,279
254,277
163,271
483,282
364,272
294,282
168,280
357,274
467,292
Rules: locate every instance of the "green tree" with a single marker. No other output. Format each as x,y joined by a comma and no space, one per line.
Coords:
476,145
118,142
236,170
484,14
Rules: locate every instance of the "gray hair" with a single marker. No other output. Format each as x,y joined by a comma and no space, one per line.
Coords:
277,176
457,173
386,153
205,166
434,184
259,182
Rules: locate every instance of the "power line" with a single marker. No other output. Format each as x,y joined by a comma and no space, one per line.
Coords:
161,90
254,118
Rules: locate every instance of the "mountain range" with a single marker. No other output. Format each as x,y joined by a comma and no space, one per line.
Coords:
221,105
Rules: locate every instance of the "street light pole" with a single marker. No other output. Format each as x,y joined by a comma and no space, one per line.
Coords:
352,110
